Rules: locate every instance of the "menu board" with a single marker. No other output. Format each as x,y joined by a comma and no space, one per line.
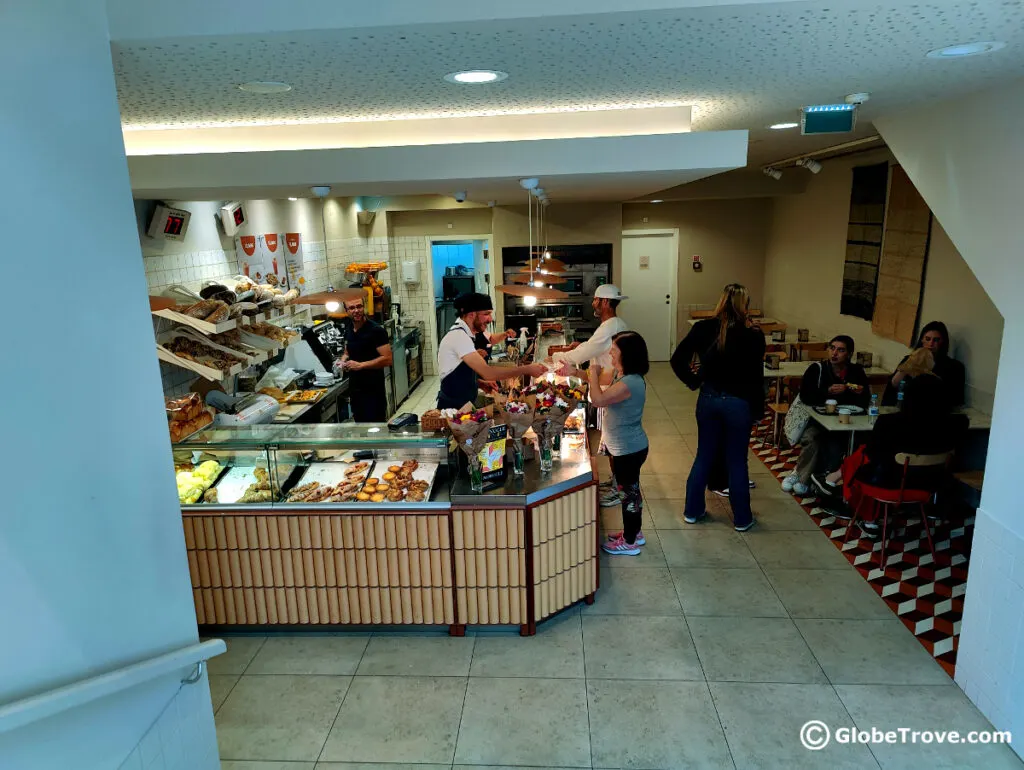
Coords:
295,265
260,256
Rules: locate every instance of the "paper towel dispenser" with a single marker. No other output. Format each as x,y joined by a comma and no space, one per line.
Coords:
411,271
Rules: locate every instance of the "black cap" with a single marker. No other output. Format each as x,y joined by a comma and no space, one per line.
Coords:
472,302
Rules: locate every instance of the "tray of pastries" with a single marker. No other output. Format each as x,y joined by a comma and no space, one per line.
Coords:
330,483
246,484
401,481
304,396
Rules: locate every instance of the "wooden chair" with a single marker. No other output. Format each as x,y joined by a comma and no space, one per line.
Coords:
778,410
812,351
700,314
816,355
889,498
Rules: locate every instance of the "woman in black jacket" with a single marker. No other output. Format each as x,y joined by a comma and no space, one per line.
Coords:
731,382
934,337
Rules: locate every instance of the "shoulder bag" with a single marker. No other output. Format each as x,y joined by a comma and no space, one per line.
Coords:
799,414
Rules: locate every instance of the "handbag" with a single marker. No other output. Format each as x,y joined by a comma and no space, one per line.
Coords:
799,414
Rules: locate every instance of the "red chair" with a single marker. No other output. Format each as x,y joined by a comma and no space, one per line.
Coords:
898,498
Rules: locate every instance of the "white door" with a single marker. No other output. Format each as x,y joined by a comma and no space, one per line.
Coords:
649,270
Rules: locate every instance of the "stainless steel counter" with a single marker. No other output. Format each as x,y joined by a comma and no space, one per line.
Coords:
533,487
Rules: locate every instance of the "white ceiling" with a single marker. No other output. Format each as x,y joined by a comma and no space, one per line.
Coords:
740,66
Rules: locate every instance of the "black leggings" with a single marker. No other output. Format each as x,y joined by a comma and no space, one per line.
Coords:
626,471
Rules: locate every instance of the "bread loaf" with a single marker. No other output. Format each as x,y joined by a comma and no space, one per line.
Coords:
201,309
220,312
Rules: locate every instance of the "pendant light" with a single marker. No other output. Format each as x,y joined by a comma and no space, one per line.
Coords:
534,288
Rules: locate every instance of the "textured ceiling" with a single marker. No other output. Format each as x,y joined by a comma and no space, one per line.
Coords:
742,66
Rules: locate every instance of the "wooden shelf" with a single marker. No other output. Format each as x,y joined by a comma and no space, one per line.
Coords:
196,323
206,371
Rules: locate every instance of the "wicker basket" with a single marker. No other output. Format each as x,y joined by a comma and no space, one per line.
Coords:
430,421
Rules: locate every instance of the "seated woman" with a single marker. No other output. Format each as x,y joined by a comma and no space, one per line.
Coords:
935,338
925,426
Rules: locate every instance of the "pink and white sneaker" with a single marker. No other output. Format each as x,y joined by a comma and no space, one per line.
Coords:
619,547
620,535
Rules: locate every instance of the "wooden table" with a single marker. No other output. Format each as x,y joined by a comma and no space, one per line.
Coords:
862,422
796,369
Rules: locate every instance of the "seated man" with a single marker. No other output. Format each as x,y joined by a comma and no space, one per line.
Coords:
925,426
837,379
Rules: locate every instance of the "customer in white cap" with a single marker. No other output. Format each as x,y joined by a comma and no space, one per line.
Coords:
597,350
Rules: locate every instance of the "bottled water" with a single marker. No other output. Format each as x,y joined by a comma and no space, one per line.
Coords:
873,409
899,394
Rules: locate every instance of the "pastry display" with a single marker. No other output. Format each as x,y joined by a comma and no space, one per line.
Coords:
272,332
415,496
394,469
185,416
193,350
192,485
305,396
390,475
357,469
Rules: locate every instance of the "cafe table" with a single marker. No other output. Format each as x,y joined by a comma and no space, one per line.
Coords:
796,369
862,422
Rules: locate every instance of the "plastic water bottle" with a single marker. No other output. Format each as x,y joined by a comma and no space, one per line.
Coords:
899,395
873,409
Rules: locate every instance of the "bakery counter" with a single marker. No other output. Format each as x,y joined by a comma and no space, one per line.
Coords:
512,556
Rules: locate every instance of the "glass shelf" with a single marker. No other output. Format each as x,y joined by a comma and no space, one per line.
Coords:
318,434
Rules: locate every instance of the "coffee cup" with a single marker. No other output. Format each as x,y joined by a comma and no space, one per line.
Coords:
831,405
844,416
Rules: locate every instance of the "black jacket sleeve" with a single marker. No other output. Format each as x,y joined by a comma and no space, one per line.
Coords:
954,377
810,392
682,359
883,440
859,376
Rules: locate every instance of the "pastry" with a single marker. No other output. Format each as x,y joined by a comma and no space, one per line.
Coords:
411,464
394,469
415,496
420,485
377,497
370,488
200,309
210,496
389,476
395,495
357,468
220,312
383,486
372,481
363,496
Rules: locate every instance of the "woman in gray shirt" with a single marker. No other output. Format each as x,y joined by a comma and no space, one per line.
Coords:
623,433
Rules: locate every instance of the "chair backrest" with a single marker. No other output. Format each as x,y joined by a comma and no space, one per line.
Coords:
906,459
702,314
815,355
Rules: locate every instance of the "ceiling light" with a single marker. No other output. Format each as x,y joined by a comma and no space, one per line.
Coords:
529,182
264,87
780,126
656,200
539,284
292,199
966,49
774,173
475,77
332,307
529,300
811,165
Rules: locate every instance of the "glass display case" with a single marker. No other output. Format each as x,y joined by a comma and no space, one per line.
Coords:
298,466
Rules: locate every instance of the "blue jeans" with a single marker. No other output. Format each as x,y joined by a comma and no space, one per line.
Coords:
723,423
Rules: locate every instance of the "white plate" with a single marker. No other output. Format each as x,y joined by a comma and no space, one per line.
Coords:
852,409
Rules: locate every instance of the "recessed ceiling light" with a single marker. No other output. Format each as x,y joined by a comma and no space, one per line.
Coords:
293,199
475,77
656,200
780,126
264,87
966,49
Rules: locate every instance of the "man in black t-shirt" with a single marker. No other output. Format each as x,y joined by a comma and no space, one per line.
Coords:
367,354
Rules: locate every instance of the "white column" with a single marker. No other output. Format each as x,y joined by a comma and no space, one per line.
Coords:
93,574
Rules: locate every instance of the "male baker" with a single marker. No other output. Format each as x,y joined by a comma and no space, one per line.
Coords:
367,355
459,364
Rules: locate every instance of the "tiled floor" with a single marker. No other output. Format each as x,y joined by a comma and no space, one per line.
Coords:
710,649
424,397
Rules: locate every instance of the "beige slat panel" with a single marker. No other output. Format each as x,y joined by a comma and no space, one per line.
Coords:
197,600
190,538
220,535
294,536
305,535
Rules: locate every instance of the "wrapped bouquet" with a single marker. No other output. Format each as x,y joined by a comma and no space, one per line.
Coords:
471,429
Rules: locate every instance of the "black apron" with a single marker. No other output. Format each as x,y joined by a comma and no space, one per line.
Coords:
459,386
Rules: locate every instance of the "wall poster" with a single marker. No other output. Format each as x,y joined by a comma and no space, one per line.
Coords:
864,240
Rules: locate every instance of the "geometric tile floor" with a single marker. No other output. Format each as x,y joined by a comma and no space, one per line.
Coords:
927,597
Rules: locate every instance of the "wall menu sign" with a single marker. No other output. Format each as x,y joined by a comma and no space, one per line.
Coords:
260,256
294,261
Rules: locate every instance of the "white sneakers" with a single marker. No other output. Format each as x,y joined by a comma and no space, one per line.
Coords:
792,485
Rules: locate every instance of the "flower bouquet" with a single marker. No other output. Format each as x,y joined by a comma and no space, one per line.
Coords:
554,405
471,429
517,412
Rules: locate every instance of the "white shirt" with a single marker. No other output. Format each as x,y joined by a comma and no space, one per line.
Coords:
454,346
597,349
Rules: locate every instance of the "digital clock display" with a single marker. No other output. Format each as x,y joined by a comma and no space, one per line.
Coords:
174,225
239,217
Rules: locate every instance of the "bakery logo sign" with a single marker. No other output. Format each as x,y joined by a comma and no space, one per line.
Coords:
271,241
291,240
248,243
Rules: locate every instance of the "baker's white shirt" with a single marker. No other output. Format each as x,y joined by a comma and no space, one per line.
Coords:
597,349
454,346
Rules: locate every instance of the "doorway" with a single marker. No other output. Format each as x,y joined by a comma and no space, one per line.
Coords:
457,265
650,260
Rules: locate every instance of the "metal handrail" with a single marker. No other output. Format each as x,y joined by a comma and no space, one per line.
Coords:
23,712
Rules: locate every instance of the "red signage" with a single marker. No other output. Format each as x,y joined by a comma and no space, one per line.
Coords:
248,244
